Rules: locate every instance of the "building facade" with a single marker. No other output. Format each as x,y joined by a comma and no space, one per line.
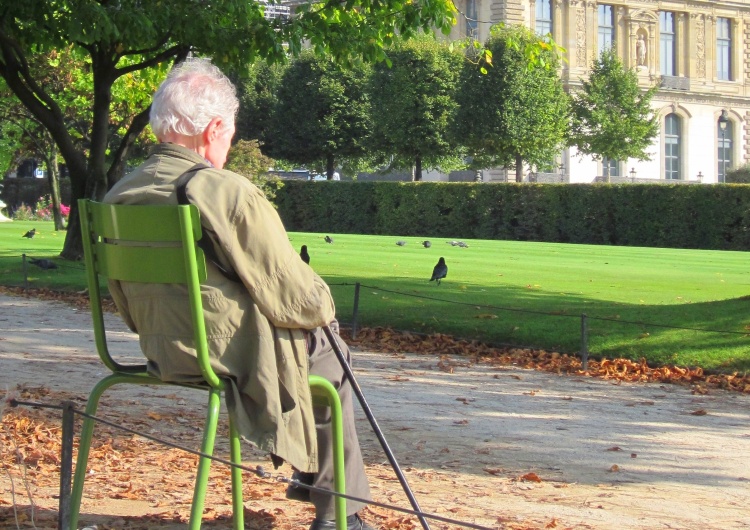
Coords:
697,52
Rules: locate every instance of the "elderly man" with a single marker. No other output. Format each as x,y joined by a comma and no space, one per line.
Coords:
263,320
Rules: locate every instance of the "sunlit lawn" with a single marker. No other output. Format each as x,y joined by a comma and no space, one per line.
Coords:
508,292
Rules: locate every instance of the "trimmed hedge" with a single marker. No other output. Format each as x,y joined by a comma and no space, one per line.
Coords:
677,216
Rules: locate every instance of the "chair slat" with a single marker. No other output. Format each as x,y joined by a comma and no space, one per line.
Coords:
144,264
160,223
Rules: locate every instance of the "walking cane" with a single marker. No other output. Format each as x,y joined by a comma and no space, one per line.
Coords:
375,426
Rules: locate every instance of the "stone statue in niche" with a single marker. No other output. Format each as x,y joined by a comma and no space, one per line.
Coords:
640,50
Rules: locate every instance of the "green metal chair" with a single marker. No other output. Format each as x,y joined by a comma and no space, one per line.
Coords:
157,244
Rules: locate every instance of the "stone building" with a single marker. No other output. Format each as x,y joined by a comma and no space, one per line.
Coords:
696,51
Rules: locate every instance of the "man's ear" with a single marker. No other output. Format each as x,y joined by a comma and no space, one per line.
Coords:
212,131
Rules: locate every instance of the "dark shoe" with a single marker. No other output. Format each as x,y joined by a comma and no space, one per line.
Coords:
353,522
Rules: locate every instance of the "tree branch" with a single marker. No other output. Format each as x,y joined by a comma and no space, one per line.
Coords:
174,51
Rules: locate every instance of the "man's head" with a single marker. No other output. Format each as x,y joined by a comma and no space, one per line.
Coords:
195,107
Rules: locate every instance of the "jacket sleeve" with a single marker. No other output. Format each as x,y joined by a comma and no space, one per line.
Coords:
286,290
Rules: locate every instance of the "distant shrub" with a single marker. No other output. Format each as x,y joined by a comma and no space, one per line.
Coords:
741,175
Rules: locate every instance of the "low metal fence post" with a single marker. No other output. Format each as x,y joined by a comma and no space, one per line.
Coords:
25,274
355,310
66,464
584,342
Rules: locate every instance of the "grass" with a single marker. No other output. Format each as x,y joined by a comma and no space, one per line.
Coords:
507,292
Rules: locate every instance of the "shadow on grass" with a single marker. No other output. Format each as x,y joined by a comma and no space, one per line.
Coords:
713,335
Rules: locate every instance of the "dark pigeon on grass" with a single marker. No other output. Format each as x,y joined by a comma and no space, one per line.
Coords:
462,244
43,263
329,239
30,234
401,243
440,271
452,243
304,255
426,244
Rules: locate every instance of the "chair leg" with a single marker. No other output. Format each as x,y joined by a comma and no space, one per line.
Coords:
87,431
204,463
321,387
238,507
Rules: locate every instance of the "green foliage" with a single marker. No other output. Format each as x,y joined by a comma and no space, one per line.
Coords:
246,159
612,116
740,175
322,113
517,110
413,105
679,216
257,92
127,36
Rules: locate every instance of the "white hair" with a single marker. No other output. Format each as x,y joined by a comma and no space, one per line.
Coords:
194,93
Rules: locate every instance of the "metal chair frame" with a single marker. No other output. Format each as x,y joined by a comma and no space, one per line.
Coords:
157,244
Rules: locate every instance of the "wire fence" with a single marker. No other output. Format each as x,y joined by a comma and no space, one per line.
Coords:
585,319
69,412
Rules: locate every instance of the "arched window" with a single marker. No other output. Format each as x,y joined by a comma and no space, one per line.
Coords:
672,144
725,135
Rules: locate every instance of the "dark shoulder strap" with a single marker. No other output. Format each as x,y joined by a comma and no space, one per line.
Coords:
208,236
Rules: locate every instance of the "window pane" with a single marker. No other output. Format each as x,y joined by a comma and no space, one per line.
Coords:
723,49
672,141
724,141
667,39
606,27
543,17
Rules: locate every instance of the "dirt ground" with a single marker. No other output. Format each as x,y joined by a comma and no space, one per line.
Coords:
494,446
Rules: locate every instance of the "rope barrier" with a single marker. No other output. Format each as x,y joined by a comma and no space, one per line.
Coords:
257,471
545,313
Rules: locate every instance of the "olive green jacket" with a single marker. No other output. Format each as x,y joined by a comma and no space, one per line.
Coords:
254,328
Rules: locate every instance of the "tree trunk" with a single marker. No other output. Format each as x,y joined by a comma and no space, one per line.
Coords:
417,169
329,166
53,177
519,168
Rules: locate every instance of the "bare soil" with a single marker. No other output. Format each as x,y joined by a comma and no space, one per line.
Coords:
496,446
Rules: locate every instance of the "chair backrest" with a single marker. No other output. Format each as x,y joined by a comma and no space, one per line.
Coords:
144,244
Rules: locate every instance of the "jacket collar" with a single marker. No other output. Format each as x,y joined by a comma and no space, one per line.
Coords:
178,151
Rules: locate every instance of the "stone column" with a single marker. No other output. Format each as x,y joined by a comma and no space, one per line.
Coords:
736,48
682,52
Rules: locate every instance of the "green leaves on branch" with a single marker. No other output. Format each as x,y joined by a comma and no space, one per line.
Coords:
612,116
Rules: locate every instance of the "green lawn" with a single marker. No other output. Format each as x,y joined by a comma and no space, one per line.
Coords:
536,292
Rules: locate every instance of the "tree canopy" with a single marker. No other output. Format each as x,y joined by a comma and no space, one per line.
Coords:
413,105
321,113
122,37
612,116
518,110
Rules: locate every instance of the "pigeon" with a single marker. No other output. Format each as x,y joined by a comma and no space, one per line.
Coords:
304,255
30,234
401,243
452,243
440,271
462,244
43,263
329,239
426,244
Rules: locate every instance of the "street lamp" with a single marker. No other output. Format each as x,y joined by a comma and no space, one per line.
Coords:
632,174
723,121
